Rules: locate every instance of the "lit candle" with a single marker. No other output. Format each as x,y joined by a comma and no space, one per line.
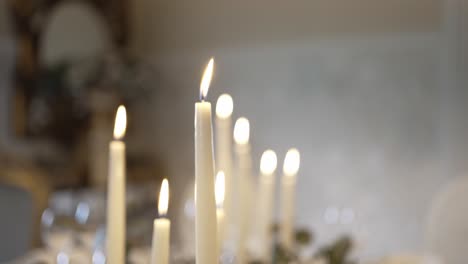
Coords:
205,219
161,228
288,186
266,190
244,186
224,107
220,214
116,192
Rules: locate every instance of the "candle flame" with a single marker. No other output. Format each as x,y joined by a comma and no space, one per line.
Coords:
163,198
242,131
120,122
220,188
268,162
224,106
292,162
206,79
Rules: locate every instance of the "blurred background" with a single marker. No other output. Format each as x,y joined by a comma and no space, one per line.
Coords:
372,92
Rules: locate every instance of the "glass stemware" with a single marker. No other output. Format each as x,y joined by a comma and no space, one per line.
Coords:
57,234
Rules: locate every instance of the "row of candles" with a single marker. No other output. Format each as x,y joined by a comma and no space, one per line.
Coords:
222,204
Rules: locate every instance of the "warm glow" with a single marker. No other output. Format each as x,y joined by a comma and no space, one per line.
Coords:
206,79
163,198
195,192
224,106
291,162
268,162
242,131
120,122
219,188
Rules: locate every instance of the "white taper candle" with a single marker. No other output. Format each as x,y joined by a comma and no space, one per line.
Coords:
161,229
115,232
205,218
288,194
265,200
223,146
220,185
244,187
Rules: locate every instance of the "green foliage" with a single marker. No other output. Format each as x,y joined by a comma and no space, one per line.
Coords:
337,252
303,237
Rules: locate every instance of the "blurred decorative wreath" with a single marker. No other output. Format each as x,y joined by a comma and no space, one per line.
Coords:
51,100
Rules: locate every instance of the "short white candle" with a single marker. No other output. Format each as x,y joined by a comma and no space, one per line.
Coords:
115,232
266,190
244,187
224,108
161,229
205,218
220,214
288,188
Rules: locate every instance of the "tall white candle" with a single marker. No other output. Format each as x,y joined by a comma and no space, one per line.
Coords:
115,241
205,219
244,187
220,214
288,188
161,229
265,200
224,108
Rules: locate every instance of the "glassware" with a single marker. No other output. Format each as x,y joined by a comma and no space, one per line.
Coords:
89,215
73,225
57,227
99,251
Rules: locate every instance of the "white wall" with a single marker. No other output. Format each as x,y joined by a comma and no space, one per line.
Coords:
357,86
204,24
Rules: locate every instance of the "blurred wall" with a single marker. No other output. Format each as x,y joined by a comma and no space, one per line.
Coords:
4,23
7,57
361,87
163,26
